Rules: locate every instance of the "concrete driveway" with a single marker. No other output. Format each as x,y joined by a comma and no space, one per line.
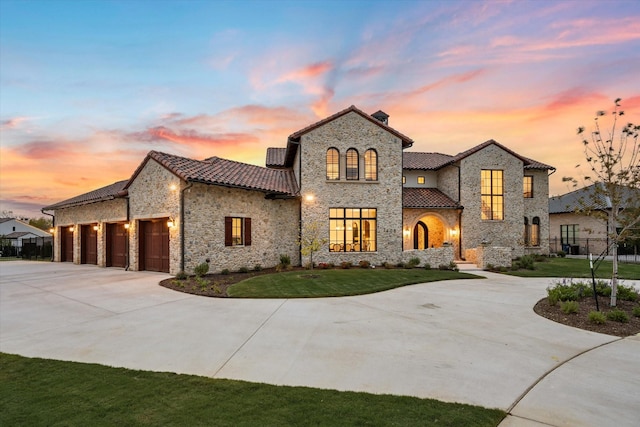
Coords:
470,341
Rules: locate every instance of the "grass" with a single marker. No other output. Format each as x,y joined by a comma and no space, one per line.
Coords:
335,283
578,268
39,392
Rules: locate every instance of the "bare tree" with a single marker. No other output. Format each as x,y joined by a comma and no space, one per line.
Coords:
612,153
311,240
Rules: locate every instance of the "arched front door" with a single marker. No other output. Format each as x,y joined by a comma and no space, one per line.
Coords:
420,236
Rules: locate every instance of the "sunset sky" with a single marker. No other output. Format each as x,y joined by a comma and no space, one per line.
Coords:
87,88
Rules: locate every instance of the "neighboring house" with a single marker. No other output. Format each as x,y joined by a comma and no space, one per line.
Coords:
580,234
14,231
348,173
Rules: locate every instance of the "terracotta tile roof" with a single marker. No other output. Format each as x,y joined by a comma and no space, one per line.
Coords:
428,161
528,163
101,194
427,198
406,141
276,157
228,173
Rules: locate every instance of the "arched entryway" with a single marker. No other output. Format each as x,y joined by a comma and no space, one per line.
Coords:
420,236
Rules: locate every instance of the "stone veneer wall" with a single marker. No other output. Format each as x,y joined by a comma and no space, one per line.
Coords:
435,257
538,206
100,213
153,194
274,228
507,232
353,131
496,256
442,232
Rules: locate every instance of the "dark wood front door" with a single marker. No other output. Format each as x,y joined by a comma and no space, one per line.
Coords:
154,245
116,246
66,244
89,244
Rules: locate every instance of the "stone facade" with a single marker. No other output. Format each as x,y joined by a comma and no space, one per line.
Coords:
385,195
435,257
493,256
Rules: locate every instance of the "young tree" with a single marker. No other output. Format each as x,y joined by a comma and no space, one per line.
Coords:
612,153
311,240
42,223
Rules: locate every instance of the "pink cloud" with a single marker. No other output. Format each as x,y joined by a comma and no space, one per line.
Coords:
13,122
307,72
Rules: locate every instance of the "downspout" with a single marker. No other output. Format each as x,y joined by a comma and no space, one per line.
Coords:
300,205
53,236
459,214
188,186
126,267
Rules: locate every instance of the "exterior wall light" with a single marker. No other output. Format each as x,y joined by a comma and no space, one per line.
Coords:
126,226
173,187
71,229
171,222
95,228
406,232
52,230
309,197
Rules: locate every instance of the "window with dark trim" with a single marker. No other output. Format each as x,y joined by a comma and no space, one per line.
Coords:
333,164
492,194
568,234
237,231
353,169
535,232
527,185
421,180
527,231
352,230
371,165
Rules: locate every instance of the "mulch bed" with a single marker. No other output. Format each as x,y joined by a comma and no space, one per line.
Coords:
581,318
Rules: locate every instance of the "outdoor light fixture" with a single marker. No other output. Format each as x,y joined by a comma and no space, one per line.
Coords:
454,232
170,222
52,230
95,228
309,197
406,232
71,228
126,226
173,187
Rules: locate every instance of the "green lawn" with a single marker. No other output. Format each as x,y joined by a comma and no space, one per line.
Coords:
335,283
578,268
40,392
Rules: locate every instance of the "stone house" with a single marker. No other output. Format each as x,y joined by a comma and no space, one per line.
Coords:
347,174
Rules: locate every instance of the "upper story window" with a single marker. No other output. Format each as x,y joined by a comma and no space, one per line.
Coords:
371,165
492,194
421,180
527,189
404,179
353,170
333,164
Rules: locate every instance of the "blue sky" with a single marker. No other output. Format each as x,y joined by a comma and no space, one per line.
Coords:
87,88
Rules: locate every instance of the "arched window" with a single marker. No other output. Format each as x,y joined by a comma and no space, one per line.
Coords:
371,165
535,232
333,164
526,231
353,170
420,236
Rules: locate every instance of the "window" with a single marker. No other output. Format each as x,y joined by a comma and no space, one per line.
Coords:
420,236
333,164
527,189
237,231
535,232
371,165
527,231
492,194
568,234
421,180
404,179
353,171
352,230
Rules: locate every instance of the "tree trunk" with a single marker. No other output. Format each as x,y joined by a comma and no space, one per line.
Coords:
614,277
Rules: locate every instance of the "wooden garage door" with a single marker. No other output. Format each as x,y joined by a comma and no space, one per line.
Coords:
89,244
116,245
66,244
154,245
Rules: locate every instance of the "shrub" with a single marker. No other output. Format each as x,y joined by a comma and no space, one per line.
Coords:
427,266
602,288
443,267
636,311
525,263
225,271
489,267
627,293
364,264
243,270
201,269
453,266
570,307
309,265
323,265
257,267
387,265
618,315
413,262
540,258
400,264
346,265
181,275
285,260
561,254
597,317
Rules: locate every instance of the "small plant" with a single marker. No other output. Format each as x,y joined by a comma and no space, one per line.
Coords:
216,288
181,275
636,311
413,262
364,264
400,264
524,263
178,283
346,265
561,254
427,266
225,271
201,269
243,270
627,293
490,267
257,267
323,265
309,265
387,265
618,315
569,307
597,317
285,260
202,283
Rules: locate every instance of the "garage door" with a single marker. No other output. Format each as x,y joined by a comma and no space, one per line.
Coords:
66,243
116,245
89,244
154,245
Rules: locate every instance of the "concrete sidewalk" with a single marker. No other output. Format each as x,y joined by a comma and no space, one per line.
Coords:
470,341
